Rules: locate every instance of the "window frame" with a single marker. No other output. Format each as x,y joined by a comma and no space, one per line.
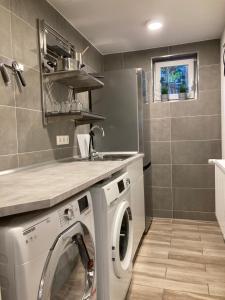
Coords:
175,59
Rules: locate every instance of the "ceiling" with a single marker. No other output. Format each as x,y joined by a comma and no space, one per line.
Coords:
119,25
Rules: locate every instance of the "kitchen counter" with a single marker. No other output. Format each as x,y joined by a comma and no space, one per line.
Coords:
44,186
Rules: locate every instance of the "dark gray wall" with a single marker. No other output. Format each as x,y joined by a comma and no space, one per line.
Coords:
23,139
183,136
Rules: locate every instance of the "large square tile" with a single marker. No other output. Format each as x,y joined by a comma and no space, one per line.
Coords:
8,134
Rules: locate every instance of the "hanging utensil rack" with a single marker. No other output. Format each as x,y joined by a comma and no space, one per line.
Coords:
7,63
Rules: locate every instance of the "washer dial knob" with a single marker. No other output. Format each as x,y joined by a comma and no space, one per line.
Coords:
127,181
68,213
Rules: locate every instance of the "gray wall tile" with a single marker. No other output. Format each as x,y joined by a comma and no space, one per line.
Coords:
160,153
7,92
193,176
25,43
209,77
210,216
113,62
161,175
148,206
5,37
208,103
209,52
29,11
162,213
160,110
32,136
201,200
160,129
26,159
186,48
196,128
162,198
8,162
8,130
195,152
137,59
30,97
5,3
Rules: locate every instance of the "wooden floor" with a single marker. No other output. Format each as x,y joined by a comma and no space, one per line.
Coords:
180,260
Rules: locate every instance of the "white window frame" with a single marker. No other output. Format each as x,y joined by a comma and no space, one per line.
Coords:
192,88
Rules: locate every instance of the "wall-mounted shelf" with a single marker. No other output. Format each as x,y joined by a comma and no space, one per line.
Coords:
62,79
79,117
80,80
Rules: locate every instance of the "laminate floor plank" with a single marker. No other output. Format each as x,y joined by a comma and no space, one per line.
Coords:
195,276
140,292
171,263
180,260
141,279
174,295
217,290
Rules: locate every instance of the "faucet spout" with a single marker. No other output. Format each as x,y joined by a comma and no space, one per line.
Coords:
99,128
92,152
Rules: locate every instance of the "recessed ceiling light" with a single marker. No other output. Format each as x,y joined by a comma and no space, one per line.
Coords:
154,25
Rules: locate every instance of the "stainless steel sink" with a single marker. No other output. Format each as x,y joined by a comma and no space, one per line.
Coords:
114,157
104,157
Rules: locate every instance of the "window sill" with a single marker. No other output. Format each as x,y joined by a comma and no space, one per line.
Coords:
175,100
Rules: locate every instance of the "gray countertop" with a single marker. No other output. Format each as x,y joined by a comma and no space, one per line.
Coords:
47,185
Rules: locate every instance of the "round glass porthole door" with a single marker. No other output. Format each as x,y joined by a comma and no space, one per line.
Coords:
124,235
69,271
122,239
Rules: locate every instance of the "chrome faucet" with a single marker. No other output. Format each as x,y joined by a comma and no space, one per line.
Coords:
92,152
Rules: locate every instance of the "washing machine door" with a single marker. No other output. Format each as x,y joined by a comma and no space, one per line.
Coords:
122,244
69,272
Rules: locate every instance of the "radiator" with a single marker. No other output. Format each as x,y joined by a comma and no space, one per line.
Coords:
220,192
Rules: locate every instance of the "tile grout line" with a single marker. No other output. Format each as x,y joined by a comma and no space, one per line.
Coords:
14,92
32,152
18,107
188,116
171,163
177,141
208,288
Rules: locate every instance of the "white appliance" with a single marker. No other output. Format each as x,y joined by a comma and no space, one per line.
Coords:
49,255
114,237
135,172
220,192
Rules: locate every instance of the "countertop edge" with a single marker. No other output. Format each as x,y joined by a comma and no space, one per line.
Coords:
48,203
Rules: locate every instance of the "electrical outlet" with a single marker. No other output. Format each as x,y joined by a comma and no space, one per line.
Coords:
62,140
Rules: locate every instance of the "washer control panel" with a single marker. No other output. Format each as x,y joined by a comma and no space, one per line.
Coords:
116,188
68,213
73,210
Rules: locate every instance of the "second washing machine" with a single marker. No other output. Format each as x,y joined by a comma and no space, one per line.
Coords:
114,237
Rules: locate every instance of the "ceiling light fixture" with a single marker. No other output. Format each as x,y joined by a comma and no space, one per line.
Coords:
154,25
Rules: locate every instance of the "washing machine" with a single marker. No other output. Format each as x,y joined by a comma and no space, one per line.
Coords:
49,255
114,237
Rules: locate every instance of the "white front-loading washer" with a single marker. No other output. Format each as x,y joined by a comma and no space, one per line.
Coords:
49,255
114,237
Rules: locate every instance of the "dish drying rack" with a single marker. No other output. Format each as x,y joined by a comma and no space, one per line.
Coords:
63,105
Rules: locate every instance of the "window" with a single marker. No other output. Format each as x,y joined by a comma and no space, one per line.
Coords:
175,77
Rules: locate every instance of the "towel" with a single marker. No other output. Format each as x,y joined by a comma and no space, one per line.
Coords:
83,142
